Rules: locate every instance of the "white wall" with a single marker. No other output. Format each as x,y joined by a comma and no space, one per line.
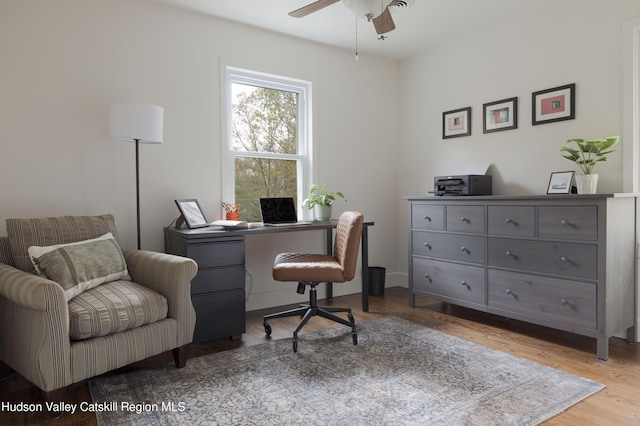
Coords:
555,43
64,62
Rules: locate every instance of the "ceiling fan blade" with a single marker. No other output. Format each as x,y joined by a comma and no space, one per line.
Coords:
383,23
312,7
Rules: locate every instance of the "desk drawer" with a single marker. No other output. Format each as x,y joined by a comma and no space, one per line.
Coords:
570,302
219,314
218,279
511,220
570,259
461,282
465,219
573,222
466,248
211,255
427,216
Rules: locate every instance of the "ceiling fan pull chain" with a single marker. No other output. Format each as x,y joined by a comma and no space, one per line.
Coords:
356,58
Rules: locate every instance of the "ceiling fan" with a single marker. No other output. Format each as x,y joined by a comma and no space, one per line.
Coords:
376,11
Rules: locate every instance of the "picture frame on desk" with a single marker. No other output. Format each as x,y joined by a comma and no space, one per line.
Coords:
456,123
500,115
560,183
192,213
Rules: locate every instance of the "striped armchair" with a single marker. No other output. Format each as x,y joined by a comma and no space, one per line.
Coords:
54,342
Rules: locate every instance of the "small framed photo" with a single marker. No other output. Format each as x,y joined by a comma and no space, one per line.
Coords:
456,123
560,183
500,115
192,213
556,104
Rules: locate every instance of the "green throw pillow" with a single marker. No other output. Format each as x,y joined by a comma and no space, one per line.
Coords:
82,265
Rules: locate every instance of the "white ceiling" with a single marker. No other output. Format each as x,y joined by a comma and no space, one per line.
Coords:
423,24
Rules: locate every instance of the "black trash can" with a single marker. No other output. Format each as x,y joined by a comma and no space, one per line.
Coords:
376,280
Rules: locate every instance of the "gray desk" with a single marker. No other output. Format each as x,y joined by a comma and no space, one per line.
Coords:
217,291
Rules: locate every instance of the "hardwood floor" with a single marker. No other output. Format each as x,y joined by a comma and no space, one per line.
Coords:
618,404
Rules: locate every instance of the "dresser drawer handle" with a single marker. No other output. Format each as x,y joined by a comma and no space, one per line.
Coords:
465,284
511,221
510,293
565,222
565,302
464,249
427,277
464,219
563,259
427,245
427,218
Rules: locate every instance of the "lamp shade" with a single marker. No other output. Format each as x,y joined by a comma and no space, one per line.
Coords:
141,122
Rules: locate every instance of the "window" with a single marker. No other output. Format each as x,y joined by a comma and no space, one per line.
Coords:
268,139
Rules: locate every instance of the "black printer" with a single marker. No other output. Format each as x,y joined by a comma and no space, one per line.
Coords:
462,185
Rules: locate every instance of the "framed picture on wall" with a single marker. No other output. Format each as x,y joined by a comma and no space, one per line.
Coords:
560,183
456,123
556,104
192,213
500,115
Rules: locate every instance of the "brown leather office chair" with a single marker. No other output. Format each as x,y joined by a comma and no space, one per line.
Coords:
312,269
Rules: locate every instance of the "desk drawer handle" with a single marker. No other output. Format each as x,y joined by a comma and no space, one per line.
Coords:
464,219
427,218
465,284
427,245
564,259
511,221
565,222
427,277
464,249
509,292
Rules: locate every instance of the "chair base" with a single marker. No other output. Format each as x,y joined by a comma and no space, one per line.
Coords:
312,309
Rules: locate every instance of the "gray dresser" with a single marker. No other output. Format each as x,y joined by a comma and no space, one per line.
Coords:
565,262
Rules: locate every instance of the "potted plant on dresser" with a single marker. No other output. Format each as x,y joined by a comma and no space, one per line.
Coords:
320,201
586,156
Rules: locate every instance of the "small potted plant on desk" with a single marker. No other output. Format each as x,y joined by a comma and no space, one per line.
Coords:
320,201
586,156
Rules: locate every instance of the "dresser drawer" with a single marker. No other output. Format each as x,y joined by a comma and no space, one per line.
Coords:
452,280
465,219
211,255
511,220
573,222
570,259
466,248
570,302
218,279
427,216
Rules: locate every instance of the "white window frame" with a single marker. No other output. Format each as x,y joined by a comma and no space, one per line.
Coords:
303,157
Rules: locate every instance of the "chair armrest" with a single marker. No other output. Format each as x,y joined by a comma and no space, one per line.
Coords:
170,276
34,328
28,290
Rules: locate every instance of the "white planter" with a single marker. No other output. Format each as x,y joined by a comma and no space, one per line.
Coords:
586,184
322,212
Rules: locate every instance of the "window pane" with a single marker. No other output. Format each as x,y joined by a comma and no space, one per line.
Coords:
263,177
264,120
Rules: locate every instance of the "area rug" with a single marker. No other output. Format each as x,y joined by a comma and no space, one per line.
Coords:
399,373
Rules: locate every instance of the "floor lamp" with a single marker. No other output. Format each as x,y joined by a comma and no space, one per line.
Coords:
139,123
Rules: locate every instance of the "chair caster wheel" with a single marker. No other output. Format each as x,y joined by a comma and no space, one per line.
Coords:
267,328
354,337
295,344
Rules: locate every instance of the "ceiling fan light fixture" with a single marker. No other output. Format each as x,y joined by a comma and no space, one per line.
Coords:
367,9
